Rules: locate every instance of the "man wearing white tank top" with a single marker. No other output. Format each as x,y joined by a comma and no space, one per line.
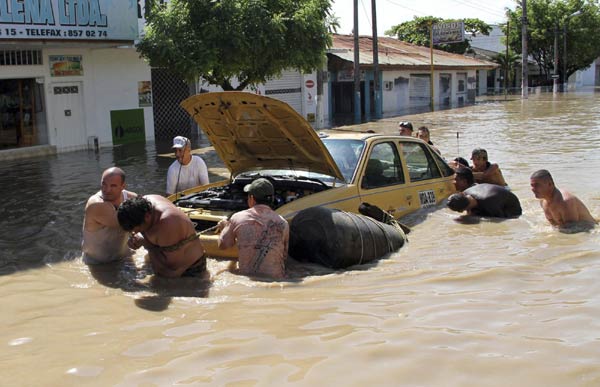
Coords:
103,239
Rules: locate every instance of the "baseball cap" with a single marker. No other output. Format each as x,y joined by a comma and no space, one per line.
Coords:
260,188
180,142
479,153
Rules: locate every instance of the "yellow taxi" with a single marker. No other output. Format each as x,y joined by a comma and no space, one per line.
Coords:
257,136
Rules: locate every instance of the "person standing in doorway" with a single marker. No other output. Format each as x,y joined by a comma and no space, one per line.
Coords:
188,170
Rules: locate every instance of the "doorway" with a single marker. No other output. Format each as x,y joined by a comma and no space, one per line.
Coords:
18,107
68,115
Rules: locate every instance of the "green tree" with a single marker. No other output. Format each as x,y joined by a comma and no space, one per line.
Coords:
550,18
251,40
417,32
508,64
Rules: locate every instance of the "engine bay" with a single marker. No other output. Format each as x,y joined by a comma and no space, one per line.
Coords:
232,198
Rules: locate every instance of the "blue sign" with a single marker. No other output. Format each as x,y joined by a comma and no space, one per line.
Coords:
68,20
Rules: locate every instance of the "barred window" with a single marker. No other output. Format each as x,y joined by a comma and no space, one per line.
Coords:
20,57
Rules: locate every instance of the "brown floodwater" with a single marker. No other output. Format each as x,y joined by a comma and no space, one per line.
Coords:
490,303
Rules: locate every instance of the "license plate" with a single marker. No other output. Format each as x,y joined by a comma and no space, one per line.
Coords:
427,198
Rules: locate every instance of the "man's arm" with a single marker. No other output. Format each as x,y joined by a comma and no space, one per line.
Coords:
171,181
100,215
227,235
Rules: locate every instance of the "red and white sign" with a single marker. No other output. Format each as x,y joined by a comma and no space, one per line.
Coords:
310,83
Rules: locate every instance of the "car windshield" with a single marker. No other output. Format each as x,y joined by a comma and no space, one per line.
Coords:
346,154
292,174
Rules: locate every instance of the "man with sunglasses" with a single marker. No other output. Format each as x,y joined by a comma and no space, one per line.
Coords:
188,170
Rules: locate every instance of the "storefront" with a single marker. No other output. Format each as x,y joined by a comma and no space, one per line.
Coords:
70,75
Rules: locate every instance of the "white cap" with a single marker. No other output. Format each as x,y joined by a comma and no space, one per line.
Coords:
180,142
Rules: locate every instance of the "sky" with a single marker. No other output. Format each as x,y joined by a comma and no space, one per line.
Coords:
392,12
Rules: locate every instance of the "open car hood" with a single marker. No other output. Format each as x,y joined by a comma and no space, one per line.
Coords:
251,132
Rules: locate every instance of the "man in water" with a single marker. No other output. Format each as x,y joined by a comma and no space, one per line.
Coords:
484,171
561,208
405,128
188,170
423,134
262,235
103,240
489,200
463,179
166,232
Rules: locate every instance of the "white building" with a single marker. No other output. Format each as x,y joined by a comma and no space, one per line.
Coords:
70,76
406,75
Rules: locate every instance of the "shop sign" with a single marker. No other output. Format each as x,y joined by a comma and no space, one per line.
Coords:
68,20
452,32
65,65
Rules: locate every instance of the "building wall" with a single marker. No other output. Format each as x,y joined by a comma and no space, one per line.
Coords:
298,90
115,77
586,77
109,82
397,100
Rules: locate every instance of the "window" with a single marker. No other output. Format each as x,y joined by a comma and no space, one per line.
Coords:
383,167
420,163
20,57
345,153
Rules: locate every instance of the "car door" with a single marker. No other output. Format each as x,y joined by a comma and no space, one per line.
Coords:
382,178
427,182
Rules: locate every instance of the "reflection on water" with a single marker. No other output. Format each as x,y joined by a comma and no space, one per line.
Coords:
494,303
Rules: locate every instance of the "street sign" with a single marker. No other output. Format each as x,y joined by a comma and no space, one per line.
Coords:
555,76
310,83
450,32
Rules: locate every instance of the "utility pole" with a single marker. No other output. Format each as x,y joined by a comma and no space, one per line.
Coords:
565,25
524,55
357,107
431,101
376,83
555,71
565,80
506,64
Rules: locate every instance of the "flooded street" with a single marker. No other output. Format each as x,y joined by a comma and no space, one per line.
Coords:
492,303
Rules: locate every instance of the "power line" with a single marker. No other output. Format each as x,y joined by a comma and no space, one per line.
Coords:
479,7
367,14
474,5
405,7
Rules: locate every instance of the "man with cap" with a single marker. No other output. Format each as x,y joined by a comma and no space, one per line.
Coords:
406,128
484,171
188,170
262,235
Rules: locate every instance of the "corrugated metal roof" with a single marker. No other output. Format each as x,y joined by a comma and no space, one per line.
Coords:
396,53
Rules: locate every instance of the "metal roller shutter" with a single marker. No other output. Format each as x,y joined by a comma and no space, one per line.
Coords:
287,88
